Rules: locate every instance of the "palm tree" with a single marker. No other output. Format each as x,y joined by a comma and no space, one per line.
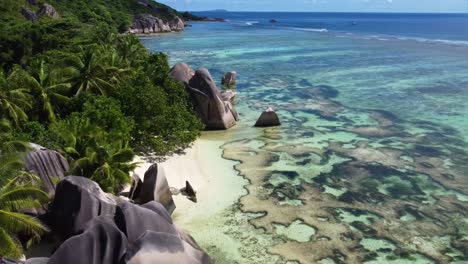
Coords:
107,164
13,101
93,72
17,196
49,94
18,192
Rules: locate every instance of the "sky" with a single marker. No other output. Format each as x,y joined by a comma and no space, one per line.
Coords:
429,6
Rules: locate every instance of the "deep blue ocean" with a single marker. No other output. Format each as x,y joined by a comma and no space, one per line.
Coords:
370,164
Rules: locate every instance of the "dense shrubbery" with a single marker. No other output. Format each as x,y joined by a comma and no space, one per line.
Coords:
76,85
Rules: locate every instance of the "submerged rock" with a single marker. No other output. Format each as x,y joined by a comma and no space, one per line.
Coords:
229,78
147,24
212,110
156,188
101,243
49,165
268,119
228,95
77,201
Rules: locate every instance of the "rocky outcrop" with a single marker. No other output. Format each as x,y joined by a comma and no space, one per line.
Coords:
100,243
97,228
182,72
189,192
213,111
147,24
46,10
229,79
156,188
165,248
228,95
49,165
77,201
268,119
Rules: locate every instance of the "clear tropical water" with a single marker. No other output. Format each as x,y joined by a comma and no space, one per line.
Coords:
370,164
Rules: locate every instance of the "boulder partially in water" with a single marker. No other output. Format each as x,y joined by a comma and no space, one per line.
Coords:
228,96
156,188
214,112
229,78
268,118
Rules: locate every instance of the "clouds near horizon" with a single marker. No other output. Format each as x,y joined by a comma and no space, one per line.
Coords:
432,6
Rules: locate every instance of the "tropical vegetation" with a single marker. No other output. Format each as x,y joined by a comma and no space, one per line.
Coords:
78,85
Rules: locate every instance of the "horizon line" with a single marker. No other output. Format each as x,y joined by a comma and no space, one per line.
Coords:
344,12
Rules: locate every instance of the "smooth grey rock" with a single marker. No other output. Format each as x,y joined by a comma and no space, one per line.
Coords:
49,165
77,201
268,119
210,107
189,192
153,247
147,24
156,188
37,261
182,72
100,243
229,78
135,189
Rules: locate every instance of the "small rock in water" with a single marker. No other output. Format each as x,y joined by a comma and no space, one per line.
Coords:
268,118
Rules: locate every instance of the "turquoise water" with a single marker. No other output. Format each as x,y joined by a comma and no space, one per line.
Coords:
370,164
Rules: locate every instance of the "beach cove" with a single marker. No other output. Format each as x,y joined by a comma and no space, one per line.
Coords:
373,141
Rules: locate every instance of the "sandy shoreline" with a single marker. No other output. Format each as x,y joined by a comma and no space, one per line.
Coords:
214,179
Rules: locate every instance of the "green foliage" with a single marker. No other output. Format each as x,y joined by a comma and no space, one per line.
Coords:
17,193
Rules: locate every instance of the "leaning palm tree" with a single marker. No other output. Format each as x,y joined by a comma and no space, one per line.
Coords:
13,101
49,92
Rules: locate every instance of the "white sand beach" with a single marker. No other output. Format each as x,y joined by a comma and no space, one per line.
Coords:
214,179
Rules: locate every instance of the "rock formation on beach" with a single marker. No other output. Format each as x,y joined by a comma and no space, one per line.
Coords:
99,228
147,24
48,165
156,188
214,112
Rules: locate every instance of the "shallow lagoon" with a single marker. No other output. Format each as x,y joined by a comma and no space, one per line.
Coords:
370,164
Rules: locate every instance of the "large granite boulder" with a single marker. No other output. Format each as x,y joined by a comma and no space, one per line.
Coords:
182,72
100,243
215,113
134,220
147,24
153,247
49,165
29,15
268,119
156,188
77,201
228,96
229,78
